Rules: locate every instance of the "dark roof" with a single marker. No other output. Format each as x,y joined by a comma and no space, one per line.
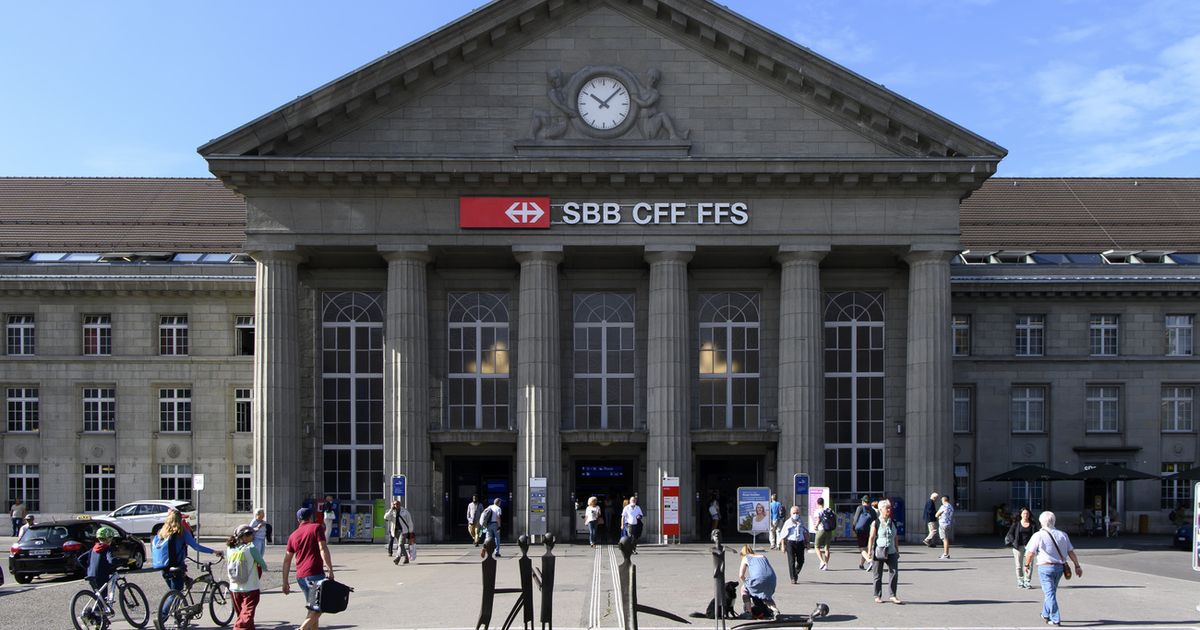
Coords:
1083,214
92,214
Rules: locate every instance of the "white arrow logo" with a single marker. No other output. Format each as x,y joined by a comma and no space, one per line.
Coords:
524,212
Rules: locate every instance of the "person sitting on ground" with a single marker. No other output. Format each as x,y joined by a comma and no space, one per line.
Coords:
758,585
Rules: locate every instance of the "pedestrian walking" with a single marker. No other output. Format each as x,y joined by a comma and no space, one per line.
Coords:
245,568
631,518
714,511
591,517
1018,536
861,521
758,585
262,530
793,539
489,520
29,520
308,546
825,524
329,510
474,508
883,543
775,509
389,524
931,520
1051,547
945,516
608,524
18,513
402,532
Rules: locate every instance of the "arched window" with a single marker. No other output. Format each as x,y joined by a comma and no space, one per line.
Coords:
854,399
728,343
477,378
603,361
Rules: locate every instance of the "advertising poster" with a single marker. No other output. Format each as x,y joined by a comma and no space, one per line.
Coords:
752,510
1196,528
670,506
814,493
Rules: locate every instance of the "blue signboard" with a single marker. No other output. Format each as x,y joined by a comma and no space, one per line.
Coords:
801,485
399,485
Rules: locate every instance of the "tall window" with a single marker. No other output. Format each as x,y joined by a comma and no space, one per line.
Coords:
1175,492
854,352
729,360
1177,408
99,488
241,410
99,409
23,483
963,494
20,335
1103,408
22,409
175,410
1102,334
1027,494
962,409
1030,340
961,333
241,491
477,377
173,335
97,335
1179,335
352,385
1028,409
175,482
243,331
604,360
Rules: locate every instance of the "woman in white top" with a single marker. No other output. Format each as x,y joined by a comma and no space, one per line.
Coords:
591,516
1049,546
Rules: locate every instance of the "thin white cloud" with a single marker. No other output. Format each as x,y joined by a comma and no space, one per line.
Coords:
1076,35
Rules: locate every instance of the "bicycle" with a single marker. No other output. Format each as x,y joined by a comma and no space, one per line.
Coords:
91,608
182,608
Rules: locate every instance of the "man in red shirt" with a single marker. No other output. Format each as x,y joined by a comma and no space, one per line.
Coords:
307,545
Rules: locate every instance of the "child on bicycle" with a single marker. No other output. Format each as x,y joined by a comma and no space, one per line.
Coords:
101,562
245,567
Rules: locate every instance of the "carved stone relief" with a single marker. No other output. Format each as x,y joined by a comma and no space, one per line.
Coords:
645,115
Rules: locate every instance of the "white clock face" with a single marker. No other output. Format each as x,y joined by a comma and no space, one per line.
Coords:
603,103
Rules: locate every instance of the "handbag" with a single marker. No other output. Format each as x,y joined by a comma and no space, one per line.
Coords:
881,553
1066,567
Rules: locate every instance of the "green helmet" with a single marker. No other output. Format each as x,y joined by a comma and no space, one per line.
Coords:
106,533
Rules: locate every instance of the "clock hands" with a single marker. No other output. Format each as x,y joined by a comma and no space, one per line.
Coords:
604,102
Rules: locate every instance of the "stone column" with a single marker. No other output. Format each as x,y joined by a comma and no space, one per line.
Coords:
279,465
801,370
406,383
539,447
668,381
928,423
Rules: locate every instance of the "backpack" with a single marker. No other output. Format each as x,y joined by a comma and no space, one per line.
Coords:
237,566
486,517
160,552
828,520
864,520
330,597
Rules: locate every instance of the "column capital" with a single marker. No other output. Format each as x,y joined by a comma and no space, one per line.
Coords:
801,253
394,253
916,256
669,253
538,253
276,255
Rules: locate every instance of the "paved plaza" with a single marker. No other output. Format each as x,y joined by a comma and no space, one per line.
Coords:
1137,584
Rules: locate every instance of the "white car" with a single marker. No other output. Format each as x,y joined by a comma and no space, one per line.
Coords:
143,518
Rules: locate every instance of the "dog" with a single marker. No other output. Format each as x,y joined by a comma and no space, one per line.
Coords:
731,596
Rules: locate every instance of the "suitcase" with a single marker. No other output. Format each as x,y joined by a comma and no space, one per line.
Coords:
331,596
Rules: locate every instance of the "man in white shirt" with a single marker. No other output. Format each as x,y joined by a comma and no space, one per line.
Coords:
793,539
489,519
945,516
631,518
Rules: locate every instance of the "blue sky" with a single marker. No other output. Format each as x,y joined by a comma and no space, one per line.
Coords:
1070,88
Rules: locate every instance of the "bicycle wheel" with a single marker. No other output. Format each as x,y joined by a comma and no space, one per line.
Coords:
220,603
172,611
134,606
87,612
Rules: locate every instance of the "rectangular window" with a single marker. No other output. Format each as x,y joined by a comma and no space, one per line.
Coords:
241,494
961,326
1179,335
23,483
604,361
22,409
243,329
962,409
729,352
1102,333
962,487
97,335
1027,494
173,335
99,488
1103,408
1177,408
479,353
175,410
20,335
1030,340
175,482
99,409
1028,409
1175,492
241,410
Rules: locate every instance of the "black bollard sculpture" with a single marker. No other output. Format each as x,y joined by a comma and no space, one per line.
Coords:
630,607
525,601
489,586
720,612
546,582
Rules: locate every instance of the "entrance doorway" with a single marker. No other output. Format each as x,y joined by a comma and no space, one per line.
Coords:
1094,490
611,482
489,479
718,479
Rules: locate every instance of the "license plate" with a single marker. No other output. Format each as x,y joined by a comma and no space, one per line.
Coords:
39,552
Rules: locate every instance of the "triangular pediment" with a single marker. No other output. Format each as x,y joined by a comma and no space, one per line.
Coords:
485,86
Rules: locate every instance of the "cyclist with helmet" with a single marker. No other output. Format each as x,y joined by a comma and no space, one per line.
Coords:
101,562
178,537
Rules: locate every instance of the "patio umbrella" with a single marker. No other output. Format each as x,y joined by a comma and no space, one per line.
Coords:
1191,474
1031,472
1109,473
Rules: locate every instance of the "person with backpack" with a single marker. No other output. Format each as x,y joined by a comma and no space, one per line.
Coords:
864,515
244,569
489,520
402,531
775,510
168,550
826,520
884,545
101,563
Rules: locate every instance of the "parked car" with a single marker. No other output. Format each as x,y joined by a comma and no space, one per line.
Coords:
55,547
143,518
1183,537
